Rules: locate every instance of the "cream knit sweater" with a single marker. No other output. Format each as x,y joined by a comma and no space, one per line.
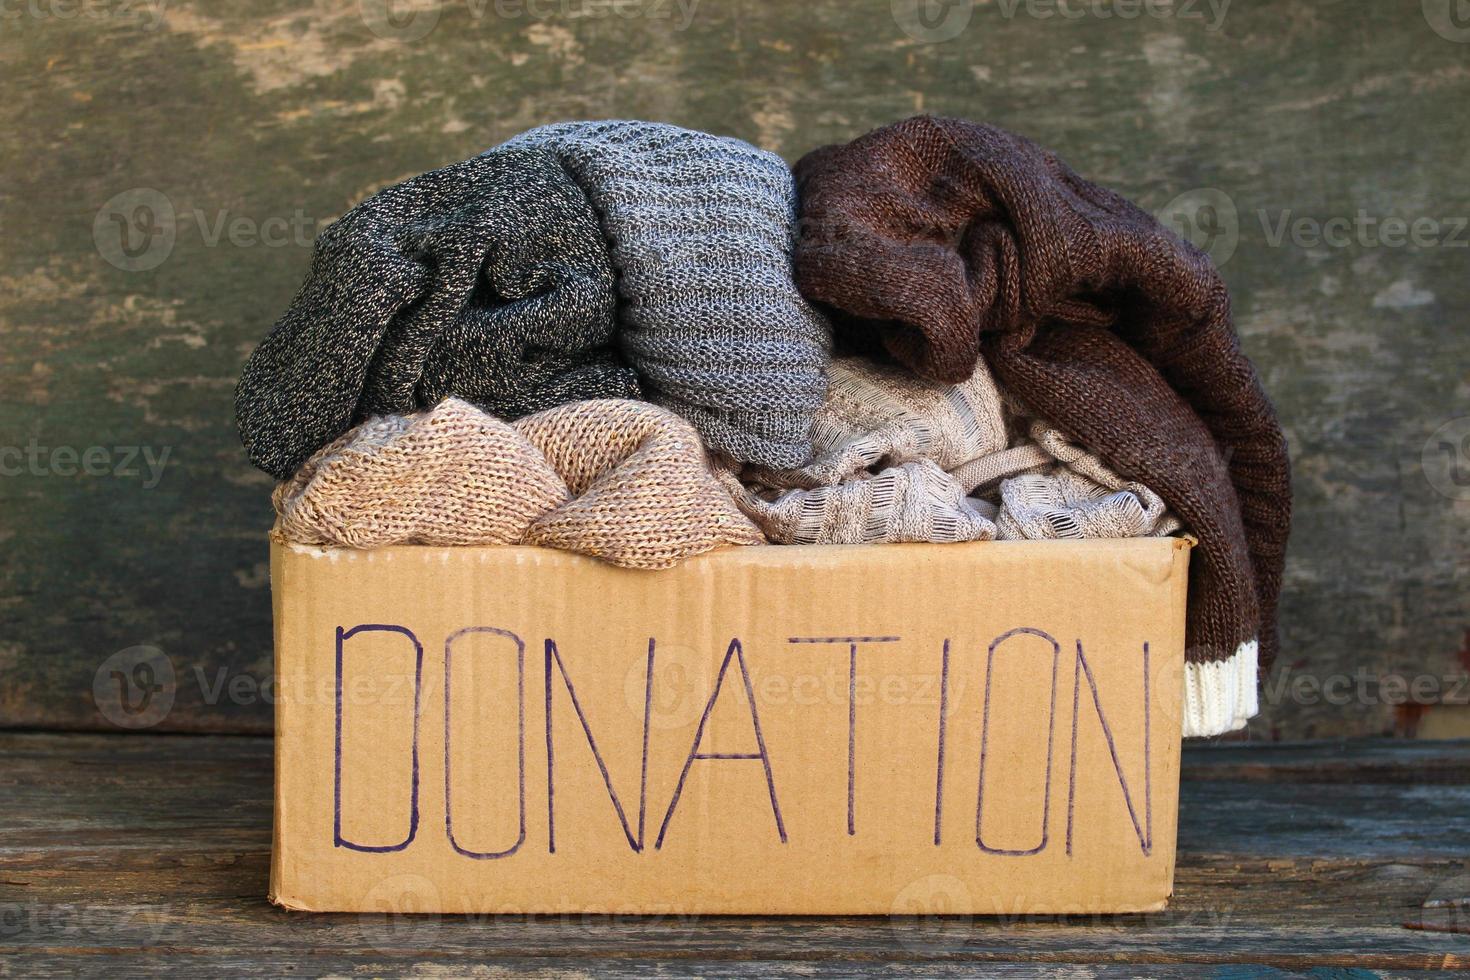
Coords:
898,458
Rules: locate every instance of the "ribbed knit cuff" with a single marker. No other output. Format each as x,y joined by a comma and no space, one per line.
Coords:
991,468
1220,695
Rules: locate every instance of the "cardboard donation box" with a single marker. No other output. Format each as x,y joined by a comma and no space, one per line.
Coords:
987,728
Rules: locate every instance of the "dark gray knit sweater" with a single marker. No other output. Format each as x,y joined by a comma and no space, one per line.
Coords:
489,279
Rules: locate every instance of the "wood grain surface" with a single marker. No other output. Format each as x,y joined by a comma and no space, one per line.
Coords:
148,855
166,165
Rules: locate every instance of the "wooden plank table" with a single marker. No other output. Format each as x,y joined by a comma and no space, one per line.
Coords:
147,855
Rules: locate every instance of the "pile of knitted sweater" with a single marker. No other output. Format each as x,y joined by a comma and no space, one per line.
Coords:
641,343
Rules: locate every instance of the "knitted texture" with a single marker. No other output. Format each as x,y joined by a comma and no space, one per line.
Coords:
880,444
643,494
1066,504
449,476
623,481
981,473
895,456
1077,497
701,230
877,415
1220,695
914,501
488,280
943,240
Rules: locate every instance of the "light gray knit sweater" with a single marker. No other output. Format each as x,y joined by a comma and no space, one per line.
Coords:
700,228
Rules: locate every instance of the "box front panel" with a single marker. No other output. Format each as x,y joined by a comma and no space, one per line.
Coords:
990,728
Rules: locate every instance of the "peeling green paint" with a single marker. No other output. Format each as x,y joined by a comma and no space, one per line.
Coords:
255,124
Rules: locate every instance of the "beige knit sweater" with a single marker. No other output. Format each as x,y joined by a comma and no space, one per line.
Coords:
623,481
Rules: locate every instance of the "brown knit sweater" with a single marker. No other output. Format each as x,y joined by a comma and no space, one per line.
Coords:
945,240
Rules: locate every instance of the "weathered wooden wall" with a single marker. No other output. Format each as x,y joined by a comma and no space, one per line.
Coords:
165,167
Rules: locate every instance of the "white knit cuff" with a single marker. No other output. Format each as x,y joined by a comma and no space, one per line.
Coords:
1220,695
